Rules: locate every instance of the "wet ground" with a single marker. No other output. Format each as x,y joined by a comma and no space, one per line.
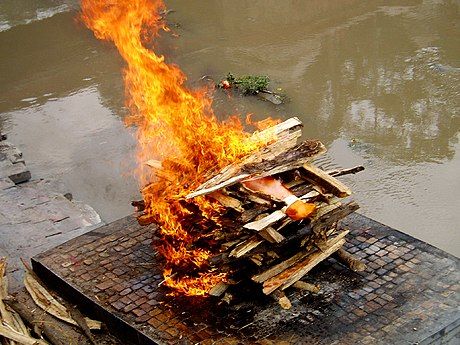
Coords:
377,81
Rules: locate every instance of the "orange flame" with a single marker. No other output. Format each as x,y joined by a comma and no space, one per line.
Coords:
176,126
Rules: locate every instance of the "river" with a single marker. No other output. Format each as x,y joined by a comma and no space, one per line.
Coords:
376,81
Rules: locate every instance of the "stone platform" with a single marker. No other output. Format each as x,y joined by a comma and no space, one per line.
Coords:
408,295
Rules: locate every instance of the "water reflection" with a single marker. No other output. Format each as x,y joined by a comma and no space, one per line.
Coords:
14,12
377,81
49,59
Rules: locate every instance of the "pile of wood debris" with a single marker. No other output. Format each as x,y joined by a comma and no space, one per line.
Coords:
20,324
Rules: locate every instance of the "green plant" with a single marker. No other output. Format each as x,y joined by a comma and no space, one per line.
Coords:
249,84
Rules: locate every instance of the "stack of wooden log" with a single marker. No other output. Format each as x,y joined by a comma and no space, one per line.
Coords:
260,241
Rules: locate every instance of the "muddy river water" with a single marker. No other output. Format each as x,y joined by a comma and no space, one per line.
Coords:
376,81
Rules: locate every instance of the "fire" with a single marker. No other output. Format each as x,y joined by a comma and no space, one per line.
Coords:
176,126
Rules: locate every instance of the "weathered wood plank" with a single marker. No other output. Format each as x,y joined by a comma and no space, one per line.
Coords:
310,262
292,274
317,176
271,235
246,246
282,266
227,201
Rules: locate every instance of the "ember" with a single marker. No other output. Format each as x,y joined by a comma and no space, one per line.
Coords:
203,179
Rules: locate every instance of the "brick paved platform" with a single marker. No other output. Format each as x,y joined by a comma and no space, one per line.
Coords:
409,293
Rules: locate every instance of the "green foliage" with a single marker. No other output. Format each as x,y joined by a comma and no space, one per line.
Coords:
249,84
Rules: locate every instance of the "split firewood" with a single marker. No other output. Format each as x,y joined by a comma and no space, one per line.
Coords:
257,259
258,200
323,224
303,186
246,246
20,338
253,212
271,235
9,317
228,298
306,265
279,268
324,180
274,188
158,169
48,303
282,266
262,223
227,201
38,325
218,289
294,273
301,285
282,299
349,260
78,317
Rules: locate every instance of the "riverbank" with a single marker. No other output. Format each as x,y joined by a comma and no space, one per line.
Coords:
34,215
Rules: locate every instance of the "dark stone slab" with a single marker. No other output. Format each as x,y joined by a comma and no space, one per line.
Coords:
18,172
409,293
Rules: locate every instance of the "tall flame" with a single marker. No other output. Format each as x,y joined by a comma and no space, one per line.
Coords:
176,126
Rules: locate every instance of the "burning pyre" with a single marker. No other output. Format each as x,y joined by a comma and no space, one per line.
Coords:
176,126
219,195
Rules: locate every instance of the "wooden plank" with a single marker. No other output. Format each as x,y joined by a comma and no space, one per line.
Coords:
282,266
271,235
246,246
311,261
266,221
324,180
227,201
